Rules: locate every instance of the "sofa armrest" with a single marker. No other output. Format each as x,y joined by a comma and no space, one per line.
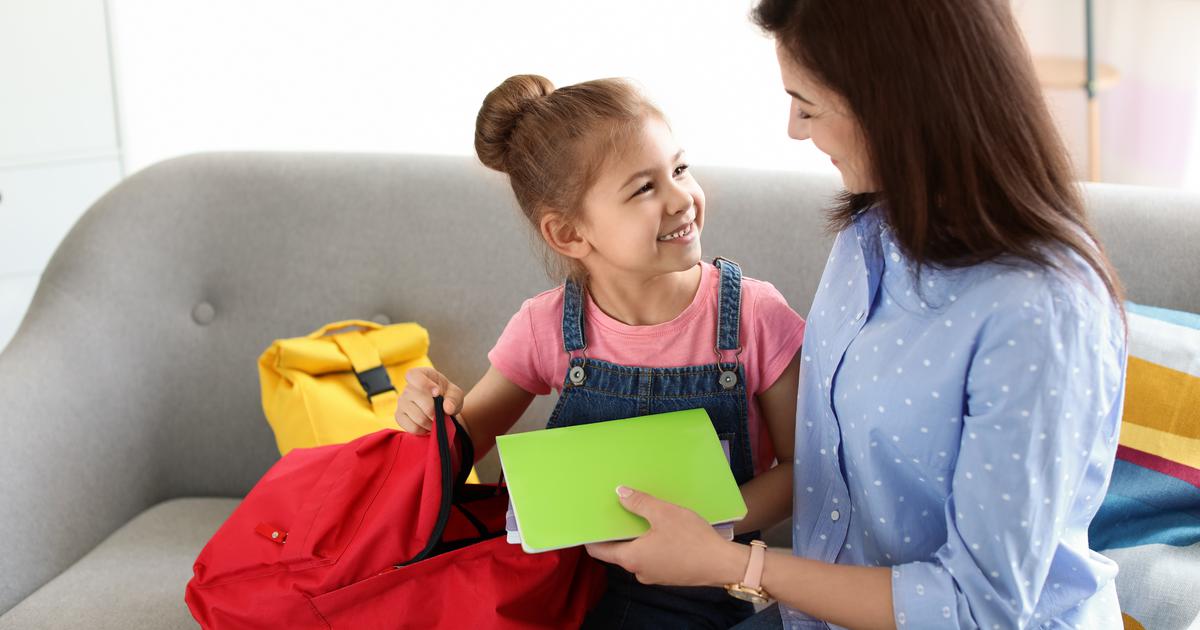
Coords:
75,462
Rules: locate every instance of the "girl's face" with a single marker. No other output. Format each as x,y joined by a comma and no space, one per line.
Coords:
822,115
645,212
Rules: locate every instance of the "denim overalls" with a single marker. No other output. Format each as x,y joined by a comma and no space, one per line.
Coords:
596,391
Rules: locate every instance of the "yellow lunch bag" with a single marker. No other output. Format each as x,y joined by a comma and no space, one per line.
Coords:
340,382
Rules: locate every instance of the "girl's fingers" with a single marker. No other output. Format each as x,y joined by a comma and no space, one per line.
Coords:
430,383
406,424
417,416
427,380
454,399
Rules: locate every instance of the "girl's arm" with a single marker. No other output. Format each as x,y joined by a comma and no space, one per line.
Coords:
769,496
491,408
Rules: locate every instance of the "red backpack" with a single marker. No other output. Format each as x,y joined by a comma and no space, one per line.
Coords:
380,533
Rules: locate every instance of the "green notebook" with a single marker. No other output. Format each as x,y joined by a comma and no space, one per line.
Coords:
562,482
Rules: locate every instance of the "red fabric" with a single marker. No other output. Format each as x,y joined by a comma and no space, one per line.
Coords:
1167,467
351,512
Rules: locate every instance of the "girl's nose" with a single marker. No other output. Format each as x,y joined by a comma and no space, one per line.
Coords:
681,200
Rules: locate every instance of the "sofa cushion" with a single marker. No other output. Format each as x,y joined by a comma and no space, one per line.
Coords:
134,579
1150,519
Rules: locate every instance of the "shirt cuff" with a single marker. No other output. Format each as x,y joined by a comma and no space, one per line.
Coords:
923,596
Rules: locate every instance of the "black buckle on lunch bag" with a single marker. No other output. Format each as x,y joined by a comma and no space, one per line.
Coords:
375,381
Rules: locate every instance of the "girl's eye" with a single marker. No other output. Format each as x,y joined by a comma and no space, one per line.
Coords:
801,115
644,189
681,169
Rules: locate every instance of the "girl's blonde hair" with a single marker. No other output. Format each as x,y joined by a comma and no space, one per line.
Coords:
553,143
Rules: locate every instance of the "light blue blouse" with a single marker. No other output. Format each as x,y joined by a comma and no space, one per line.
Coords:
961,431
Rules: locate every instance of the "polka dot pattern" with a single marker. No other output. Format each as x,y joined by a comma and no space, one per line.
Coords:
967,408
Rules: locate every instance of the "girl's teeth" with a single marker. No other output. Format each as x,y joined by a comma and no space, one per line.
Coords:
675,235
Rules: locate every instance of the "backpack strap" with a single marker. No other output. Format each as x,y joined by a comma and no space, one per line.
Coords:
372,374
452,481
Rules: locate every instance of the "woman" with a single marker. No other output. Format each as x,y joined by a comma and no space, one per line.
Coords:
962,372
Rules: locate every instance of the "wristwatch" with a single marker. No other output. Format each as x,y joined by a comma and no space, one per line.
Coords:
750,589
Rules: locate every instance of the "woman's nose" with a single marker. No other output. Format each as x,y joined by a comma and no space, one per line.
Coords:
798,128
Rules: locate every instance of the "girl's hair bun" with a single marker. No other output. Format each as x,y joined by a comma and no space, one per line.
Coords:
501,112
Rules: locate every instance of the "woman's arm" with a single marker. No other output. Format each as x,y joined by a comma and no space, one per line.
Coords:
682,549
1043,395
769,495
1037,446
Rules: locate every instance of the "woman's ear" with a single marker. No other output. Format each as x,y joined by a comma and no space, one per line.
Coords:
563,236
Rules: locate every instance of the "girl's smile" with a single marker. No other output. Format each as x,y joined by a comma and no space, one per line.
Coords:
684,235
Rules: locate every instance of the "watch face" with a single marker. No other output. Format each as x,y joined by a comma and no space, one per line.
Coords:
744,594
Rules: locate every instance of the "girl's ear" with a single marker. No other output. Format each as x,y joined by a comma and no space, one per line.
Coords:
562,235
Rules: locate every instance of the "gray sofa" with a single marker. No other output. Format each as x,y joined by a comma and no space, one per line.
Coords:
129,405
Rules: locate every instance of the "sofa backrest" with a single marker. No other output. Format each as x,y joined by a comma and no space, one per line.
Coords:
274,245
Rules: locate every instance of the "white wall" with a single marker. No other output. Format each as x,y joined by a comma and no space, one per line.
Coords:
392,76
1150,121
374,75
59,147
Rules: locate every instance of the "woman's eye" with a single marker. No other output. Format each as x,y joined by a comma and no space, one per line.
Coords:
802,115
681,169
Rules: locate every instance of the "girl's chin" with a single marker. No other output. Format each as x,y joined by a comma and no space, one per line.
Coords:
691,258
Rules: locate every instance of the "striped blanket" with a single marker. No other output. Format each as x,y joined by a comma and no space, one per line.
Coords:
1149,522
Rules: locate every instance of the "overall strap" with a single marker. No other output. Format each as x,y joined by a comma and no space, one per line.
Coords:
572,321
729,305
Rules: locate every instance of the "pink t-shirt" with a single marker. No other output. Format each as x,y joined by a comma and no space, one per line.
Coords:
530,350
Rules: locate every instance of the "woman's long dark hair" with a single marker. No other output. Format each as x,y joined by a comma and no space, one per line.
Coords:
963,149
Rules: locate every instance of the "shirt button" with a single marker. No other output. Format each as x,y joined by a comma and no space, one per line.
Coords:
835,515
859,316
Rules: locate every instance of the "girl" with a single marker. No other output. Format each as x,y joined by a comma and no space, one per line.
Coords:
964,366
640,325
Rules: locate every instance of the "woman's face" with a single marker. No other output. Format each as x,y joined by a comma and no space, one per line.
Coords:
822,115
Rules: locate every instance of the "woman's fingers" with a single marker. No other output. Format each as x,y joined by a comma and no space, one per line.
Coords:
610,552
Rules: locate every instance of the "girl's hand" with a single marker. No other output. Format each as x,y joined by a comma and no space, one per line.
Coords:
414,410
680,549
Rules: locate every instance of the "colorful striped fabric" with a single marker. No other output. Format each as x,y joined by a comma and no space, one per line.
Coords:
1150,519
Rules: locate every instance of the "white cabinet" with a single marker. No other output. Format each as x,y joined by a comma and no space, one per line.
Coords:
59,144
56,91
38,206
15,294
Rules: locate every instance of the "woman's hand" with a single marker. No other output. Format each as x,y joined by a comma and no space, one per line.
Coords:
680,548
414,410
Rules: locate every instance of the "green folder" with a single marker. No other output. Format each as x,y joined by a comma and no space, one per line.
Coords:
562,482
